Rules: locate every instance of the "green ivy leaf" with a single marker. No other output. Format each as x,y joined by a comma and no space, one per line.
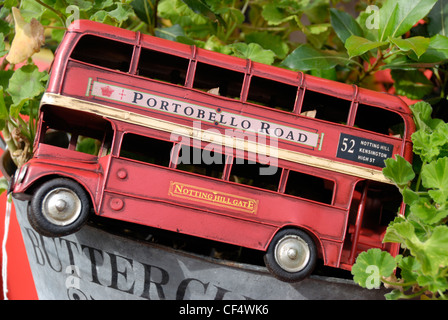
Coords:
427,213
269,41
4,183
401,231
345,25
422,112
88,145
409,196
121,13
10,3
305,58
438,19
31,9
171,33
398,16
391,233
418,45
101,4
214,44
371,266
411,83
3,50
3,109
429,144
26,83
275,14
202,7
436,53
5,75
433,283
81,4
253,51
409,267
395,294
432,253
179,13
103,17
435,177
357,46
330,74
144,9
398,171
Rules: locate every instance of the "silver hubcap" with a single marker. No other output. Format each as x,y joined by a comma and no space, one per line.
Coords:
292,253
61,206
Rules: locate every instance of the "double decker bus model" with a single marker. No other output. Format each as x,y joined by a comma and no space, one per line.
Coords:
213,146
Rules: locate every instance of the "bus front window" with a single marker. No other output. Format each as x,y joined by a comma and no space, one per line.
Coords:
75,131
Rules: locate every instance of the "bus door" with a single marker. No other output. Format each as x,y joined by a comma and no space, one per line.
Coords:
373,206
137,170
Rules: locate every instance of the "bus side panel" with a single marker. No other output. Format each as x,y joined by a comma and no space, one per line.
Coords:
234,213
187,220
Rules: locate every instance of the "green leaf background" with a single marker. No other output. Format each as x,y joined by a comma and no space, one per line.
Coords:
318,37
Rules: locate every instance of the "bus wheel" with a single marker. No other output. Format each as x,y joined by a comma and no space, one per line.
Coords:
59,207
291,256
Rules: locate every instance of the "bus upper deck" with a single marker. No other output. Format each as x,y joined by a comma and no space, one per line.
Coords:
314,121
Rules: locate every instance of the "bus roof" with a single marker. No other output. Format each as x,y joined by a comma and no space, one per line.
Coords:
330,87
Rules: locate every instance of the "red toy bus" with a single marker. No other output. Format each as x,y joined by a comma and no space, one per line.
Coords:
213,146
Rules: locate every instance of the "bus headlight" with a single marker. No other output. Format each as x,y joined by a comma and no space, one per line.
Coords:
21,174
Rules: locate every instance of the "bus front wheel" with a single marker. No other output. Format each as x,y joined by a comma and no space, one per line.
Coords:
59,207
291,256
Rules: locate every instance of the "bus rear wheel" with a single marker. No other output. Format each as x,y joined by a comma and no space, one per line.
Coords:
59,207
291,256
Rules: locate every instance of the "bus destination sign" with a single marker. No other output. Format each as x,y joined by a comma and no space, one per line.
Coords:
364,150
196,112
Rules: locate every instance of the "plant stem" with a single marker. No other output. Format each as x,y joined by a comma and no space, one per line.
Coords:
55,27
400,284
419,293
442,295
372,68
9,142
419,178
59,14
246,5
4,64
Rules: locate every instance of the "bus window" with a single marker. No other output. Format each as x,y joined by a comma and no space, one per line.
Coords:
309,187
255,174
103,52
57,138
326,107
206,162
76,131
382,205
145,149
272,94
161,66
220,81
379,120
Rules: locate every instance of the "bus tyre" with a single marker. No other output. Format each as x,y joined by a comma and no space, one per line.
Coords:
291,256
59,207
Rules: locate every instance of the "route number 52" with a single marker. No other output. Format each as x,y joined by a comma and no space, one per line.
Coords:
348,145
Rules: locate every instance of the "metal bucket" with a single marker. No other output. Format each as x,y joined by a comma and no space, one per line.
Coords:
100,265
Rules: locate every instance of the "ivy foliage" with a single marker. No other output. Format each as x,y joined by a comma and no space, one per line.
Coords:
422,232
327,38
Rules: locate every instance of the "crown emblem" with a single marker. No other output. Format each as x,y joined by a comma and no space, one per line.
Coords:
106,91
